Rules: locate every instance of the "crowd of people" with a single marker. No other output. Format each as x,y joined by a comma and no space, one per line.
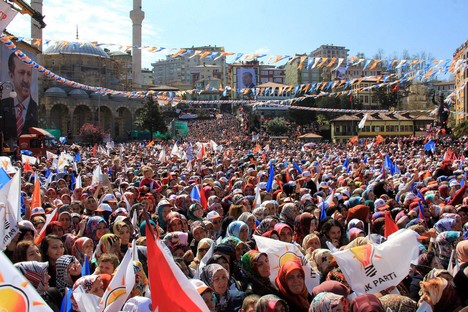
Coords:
321,194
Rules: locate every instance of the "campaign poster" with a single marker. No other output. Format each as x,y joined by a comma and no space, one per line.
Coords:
246,78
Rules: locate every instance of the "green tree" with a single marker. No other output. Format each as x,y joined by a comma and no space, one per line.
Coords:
91,134
277,126
461,129
390,97
301,116
150,118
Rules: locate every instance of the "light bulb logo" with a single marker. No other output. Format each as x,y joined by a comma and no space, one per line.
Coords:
365,255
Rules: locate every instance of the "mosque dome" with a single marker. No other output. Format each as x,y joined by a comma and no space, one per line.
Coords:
75,47
56,92
78,93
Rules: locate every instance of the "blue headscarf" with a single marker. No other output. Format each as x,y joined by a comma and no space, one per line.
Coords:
235,227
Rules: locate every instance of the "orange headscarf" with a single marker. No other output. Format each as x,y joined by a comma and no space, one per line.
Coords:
286,269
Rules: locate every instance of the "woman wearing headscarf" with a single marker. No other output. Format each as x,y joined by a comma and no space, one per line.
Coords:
249,219
238,229
177,242
96,227
332,287
366,303
291,284
109,243
285,232
256,267
37,274
123,231
288,214
90,284
141,287
461,278
322,261
195,212
68,271
271,303
202,248
302,226
330,302
267,224
445,243
440,294
216,277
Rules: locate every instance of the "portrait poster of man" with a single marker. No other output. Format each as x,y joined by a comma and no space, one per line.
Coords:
246,78
19,112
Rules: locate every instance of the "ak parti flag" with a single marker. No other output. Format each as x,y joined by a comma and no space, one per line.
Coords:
171,291
49,218
379,139
390,225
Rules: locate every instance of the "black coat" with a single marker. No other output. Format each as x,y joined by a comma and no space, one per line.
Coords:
8,113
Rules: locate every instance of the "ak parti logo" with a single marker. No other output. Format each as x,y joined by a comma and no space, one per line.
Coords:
365,254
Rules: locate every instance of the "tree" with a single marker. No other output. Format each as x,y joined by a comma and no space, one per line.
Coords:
390,97
150,118
301,116
461,129
91,134
277,126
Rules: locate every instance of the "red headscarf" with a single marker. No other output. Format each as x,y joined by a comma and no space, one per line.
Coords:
301,300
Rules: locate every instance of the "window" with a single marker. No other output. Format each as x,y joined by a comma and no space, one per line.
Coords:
366,99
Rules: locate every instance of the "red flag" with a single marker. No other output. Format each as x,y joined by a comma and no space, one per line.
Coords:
203,201
288,176
201,153
172,291
27,167
396,88
95,150
379,139
450,155
390,225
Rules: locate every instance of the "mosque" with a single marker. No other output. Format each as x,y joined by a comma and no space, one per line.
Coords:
65,109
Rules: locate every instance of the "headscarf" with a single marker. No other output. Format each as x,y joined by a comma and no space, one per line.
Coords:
106,243
77,249
234,241
321,260
207,276
302,226
279,227
138,304
141,281
61,266
332,287
202,242
353,233
249,263
183,202
263,227
176,240
441,294
444,225
86,282
354,201
308,238
191,213
245,216
366,303
286,269
162,223
398,303
445,242
118,225
143,226
360,212
462,251
287,213
91,227
34,272
329,302
268,303
235,227
353,223
259,213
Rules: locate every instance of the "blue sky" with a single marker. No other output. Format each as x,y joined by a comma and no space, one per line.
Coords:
272,27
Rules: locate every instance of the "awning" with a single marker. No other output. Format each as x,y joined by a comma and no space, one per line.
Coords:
40,131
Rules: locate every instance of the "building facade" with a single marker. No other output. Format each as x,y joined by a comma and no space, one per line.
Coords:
461,96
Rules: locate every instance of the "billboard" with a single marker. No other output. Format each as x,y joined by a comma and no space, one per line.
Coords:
246,78
18,86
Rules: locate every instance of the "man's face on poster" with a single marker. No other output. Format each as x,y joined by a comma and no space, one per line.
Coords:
21,78
247,79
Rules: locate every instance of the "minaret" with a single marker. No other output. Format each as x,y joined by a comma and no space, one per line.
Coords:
137,15
36,30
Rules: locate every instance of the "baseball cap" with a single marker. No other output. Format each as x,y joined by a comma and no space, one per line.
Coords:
453,183
109,198
164,202
37,211
380,204
104,207
306,174
199,286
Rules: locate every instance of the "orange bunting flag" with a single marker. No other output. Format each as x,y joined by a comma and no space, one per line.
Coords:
36,200
151,143
257,148
201,153
353,140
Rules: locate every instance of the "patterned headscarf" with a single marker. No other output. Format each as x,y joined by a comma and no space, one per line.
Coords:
285,271
328,302
209,271
183,202
141,281
462,251
34,272
86,282
249,263
398,303
91,227
77,249
287,213
322,259
235,227
445,243
62,271
444,225
263,227
176,240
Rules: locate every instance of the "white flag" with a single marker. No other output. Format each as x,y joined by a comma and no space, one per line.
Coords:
5,163
9,211
120,286
279,252
363,121
162,156
28,159
17,293
373,268
175,150
7,15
